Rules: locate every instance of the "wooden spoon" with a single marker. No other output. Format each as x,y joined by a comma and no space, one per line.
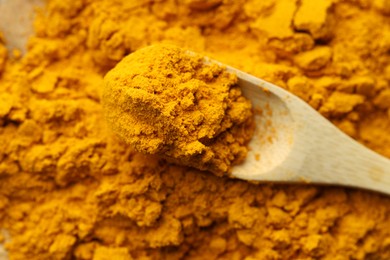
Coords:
294,143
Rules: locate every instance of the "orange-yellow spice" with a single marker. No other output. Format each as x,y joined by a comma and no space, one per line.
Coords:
70,189
162,100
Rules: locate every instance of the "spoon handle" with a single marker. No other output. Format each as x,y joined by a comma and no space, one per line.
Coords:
335,158
328,156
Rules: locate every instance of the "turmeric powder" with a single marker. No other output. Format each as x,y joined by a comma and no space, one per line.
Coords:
70,189
164,101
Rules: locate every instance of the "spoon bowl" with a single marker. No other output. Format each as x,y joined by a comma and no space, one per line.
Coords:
274,136
294,143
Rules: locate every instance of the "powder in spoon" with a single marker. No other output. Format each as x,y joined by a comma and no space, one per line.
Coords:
164,100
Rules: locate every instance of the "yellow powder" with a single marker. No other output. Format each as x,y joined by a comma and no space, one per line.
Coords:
162,100
314,59
69,189
107,253
313,17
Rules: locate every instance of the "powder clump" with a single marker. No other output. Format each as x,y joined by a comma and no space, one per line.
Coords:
164,100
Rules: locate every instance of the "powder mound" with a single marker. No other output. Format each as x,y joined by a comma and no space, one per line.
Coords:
163,100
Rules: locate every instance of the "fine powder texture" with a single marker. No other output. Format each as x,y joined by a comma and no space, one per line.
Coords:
70,189
162,100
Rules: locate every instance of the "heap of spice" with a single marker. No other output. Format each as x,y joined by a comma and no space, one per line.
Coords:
70,189
163,100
